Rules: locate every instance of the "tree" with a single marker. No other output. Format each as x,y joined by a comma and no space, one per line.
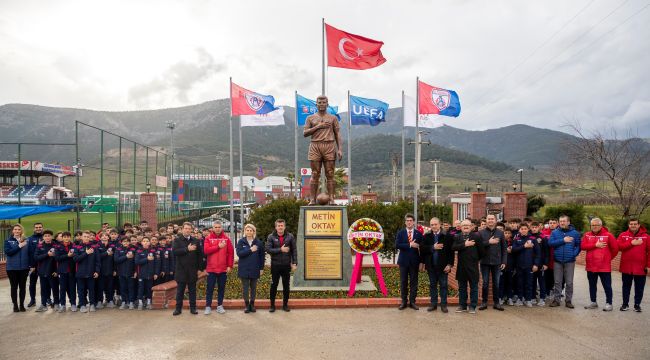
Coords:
535,202
291,179
339,178
616,170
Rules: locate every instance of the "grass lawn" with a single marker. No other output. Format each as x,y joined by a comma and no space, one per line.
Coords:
391,277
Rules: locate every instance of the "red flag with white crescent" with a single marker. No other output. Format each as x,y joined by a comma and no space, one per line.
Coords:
350,51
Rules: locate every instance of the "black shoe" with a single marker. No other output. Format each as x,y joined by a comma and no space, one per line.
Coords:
272,309
32,302
554,303
177,312
193,311
402,306
16,309
443,308
413,306
624,307
569,305
483,306
253,309
285,308
433,307
247,309
498,307
637,308
22,308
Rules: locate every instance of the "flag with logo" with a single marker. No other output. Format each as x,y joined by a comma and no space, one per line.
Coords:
367,111
438,101
274,118
425,121
246,102
350,51
306,107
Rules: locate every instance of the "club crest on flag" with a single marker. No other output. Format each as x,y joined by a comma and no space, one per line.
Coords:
255,102
440,98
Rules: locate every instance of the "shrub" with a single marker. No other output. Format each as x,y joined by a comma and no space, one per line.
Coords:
575,212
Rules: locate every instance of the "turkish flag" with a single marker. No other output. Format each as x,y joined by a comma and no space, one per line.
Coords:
345,50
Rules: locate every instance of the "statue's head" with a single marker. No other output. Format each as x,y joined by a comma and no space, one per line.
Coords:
322,103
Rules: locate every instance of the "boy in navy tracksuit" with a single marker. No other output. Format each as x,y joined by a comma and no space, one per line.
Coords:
148,269
124,262
115,241
544,254
86,256
106,254
506,285
46,267
526,247
168,259
65,265
157,250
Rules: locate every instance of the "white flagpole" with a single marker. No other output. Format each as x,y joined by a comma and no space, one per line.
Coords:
323,78
295,150
349,150
241,178
417,150
232,178
403,139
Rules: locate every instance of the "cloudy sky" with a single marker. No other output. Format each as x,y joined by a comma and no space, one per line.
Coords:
540,63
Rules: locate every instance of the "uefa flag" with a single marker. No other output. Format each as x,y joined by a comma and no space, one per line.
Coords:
306,107
367,111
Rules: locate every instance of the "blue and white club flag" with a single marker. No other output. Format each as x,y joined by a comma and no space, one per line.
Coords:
367,111
306,107
274,118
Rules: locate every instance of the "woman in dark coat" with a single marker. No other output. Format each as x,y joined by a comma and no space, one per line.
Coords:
250,251
470,250
17,249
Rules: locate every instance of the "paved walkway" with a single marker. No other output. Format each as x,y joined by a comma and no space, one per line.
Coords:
517,333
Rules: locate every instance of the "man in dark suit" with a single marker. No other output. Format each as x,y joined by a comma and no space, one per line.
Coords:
470,251
189,263
408,243
438,259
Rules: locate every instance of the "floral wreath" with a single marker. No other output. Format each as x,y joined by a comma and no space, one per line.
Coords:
366,236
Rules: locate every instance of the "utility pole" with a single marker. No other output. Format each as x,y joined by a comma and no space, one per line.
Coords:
418,156
171,126
395,157
219,158
436,179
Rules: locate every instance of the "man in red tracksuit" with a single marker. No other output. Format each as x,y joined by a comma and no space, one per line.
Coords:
635,261
601,248
219,252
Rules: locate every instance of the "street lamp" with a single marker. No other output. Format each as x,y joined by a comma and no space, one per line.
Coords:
478,186
514,186
148,187
369,187
521,180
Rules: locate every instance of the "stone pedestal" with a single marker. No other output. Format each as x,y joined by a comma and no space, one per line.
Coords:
324,258
515,205
369,197
149,209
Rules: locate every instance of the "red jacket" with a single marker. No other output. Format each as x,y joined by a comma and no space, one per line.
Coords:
218,258
634,258
599,259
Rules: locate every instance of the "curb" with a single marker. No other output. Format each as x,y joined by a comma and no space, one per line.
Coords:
318,303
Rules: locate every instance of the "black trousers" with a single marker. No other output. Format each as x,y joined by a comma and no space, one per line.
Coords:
17,279
180,294
408,282
33,279
276,273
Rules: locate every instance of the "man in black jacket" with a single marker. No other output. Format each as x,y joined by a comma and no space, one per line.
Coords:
494,260
470,251
189,263
438,258
281,245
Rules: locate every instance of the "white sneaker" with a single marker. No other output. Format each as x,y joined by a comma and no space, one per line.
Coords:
529,304
93,308
534,301
541,303
123,306
148,306
519,303
140,306
608,307
110,305
73,308
41,308
221,310
83,309
593,305
131,306
99,305
207,310
510,302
